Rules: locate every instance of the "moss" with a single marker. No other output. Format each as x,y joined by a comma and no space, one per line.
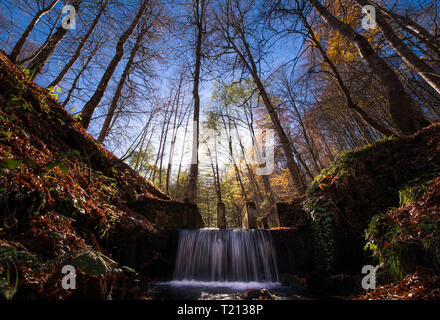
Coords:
390,244
361,184
349,159
322,225
408,194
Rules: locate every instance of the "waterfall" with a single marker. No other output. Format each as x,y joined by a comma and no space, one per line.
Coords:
226,255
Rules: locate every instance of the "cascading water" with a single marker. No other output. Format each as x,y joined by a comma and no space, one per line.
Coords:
226,255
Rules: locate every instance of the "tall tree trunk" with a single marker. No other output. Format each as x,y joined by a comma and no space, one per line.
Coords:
228,130
362,128
194,167
270,196
176,189
249,63
20,43
78,76
284,140
90,106
345,91
45,43
412,60
144,158
413,28
251,175
167,125
81,45
219,196
116,96
138,164
43,56
407,117
176,127
159,151
215,175
309,142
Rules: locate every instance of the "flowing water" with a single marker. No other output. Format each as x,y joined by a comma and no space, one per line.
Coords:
226,255
216,263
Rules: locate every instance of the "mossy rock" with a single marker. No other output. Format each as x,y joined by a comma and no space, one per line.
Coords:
92,262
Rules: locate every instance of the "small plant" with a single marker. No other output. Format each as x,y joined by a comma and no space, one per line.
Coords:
399,248
409,194
11,163
322,221
10,258
54,91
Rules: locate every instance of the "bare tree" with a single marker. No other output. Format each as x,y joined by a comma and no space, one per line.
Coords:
234,32
81,45
20,43
344,89
411,59
407,117
90,106
47,50
144,27
199,15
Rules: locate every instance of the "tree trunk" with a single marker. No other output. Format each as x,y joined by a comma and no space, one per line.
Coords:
20,43
111,111
284,140
231,153
266,182
162,133
176,127
362,128
252,178
215,178
176,189
424,70
167,125
345,91
248,60
413,28
43,56
78,76
404,113
309,142
90,106
78,50
194,167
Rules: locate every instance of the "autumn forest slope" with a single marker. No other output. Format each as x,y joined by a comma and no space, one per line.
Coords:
62,195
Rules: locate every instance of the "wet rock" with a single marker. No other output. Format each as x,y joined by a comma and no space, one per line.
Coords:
293,283
148,253
256,294
295,251
322,284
